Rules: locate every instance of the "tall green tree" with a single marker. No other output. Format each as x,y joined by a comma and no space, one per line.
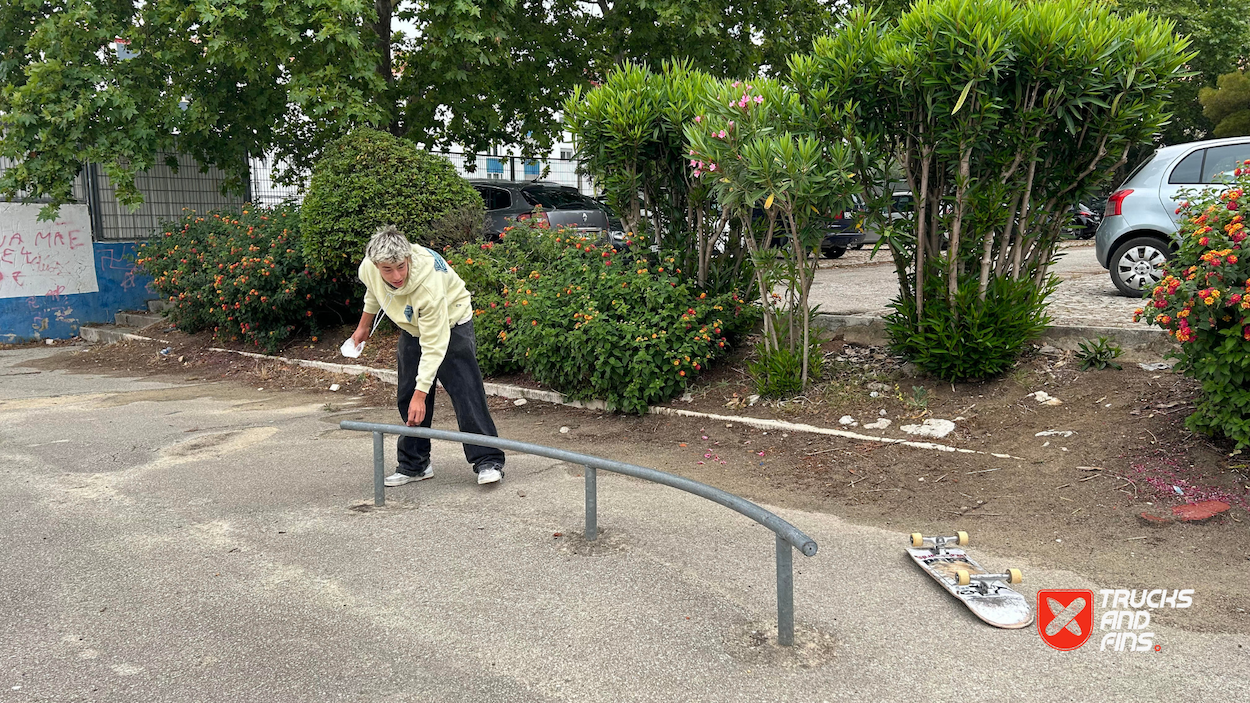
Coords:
228,79
1219,35
1228,106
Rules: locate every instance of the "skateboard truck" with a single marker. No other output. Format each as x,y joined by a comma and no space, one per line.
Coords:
982,581
960,539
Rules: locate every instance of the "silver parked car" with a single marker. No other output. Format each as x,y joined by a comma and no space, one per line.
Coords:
1137,233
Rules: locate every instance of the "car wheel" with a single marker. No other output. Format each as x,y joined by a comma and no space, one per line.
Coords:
1137,265
859,246
833,252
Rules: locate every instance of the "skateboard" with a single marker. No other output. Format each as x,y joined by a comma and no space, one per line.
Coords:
986,595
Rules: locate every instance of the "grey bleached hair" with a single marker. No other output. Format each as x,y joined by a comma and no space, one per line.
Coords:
388,246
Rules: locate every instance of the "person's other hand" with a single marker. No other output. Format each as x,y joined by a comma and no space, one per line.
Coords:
416,409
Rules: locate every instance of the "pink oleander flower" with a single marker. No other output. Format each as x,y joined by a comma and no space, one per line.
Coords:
697,119
759,98
721,134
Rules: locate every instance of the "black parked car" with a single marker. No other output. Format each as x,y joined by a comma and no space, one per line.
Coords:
1083,222
842,232
562,206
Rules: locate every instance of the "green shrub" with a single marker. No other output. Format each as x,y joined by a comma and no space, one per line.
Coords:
976,339
488,270
242,275
1204,303
1098,354
779,373
593,322
368,179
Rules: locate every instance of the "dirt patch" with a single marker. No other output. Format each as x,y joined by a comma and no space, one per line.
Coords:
575,542
392,507
755,644
1071,499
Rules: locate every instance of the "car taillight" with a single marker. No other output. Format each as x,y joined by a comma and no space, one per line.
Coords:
1116,201
840,215
542,217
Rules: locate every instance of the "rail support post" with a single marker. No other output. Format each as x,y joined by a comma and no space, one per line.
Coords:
785,593
379,471
592,504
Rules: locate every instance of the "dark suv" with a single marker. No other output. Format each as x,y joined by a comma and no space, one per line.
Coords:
562,206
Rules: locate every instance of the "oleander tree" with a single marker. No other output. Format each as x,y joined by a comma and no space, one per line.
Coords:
1002,114
758,147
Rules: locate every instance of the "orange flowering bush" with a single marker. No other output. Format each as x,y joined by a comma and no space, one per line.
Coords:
488,269
594,322
241,275
1203,302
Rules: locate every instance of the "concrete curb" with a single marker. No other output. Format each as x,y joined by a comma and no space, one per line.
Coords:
1143,344
108,335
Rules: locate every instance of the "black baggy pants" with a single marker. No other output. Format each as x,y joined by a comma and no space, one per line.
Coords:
462,379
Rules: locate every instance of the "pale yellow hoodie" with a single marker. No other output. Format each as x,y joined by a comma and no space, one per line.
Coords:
427,306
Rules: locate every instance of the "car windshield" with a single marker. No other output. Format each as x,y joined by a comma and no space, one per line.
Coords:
559,199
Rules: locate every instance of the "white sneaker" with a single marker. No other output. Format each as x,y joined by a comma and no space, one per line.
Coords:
399,479
490,475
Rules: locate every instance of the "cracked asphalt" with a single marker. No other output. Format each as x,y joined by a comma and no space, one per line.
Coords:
210,542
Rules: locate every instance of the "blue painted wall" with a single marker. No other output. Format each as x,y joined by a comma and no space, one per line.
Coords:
122,287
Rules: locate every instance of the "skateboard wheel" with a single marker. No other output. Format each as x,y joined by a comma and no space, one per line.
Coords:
917,540
1014,576
963,578
963,538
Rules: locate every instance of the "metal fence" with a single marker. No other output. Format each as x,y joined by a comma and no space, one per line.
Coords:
165,194
562,170
788,537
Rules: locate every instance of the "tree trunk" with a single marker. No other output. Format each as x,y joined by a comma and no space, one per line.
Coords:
770,331
801,268
382,42
1023,229
922,205
952,251
700,235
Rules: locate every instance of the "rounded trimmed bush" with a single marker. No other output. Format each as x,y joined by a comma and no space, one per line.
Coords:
368,179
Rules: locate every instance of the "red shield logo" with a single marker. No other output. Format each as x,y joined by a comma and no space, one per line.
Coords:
1065,617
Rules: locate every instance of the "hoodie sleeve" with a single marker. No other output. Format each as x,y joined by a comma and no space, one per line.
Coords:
371,301
435,333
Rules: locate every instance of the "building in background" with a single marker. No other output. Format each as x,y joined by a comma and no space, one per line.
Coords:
557,167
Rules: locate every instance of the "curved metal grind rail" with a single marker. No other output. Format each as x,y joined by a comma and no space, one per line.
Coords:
788,536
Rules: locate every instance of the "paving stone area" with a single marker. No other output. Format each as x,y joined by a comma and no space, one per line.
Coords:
858,285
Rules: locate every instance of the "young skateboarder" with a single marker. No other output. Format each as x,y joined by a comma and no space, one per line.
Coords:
416,288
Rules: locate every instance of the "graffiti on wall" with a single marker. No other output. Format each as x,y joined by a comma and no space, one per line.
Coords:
57,312
45,258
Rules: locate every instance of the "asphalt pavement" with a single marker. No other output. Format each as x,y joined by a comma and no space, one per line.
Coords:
205,542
